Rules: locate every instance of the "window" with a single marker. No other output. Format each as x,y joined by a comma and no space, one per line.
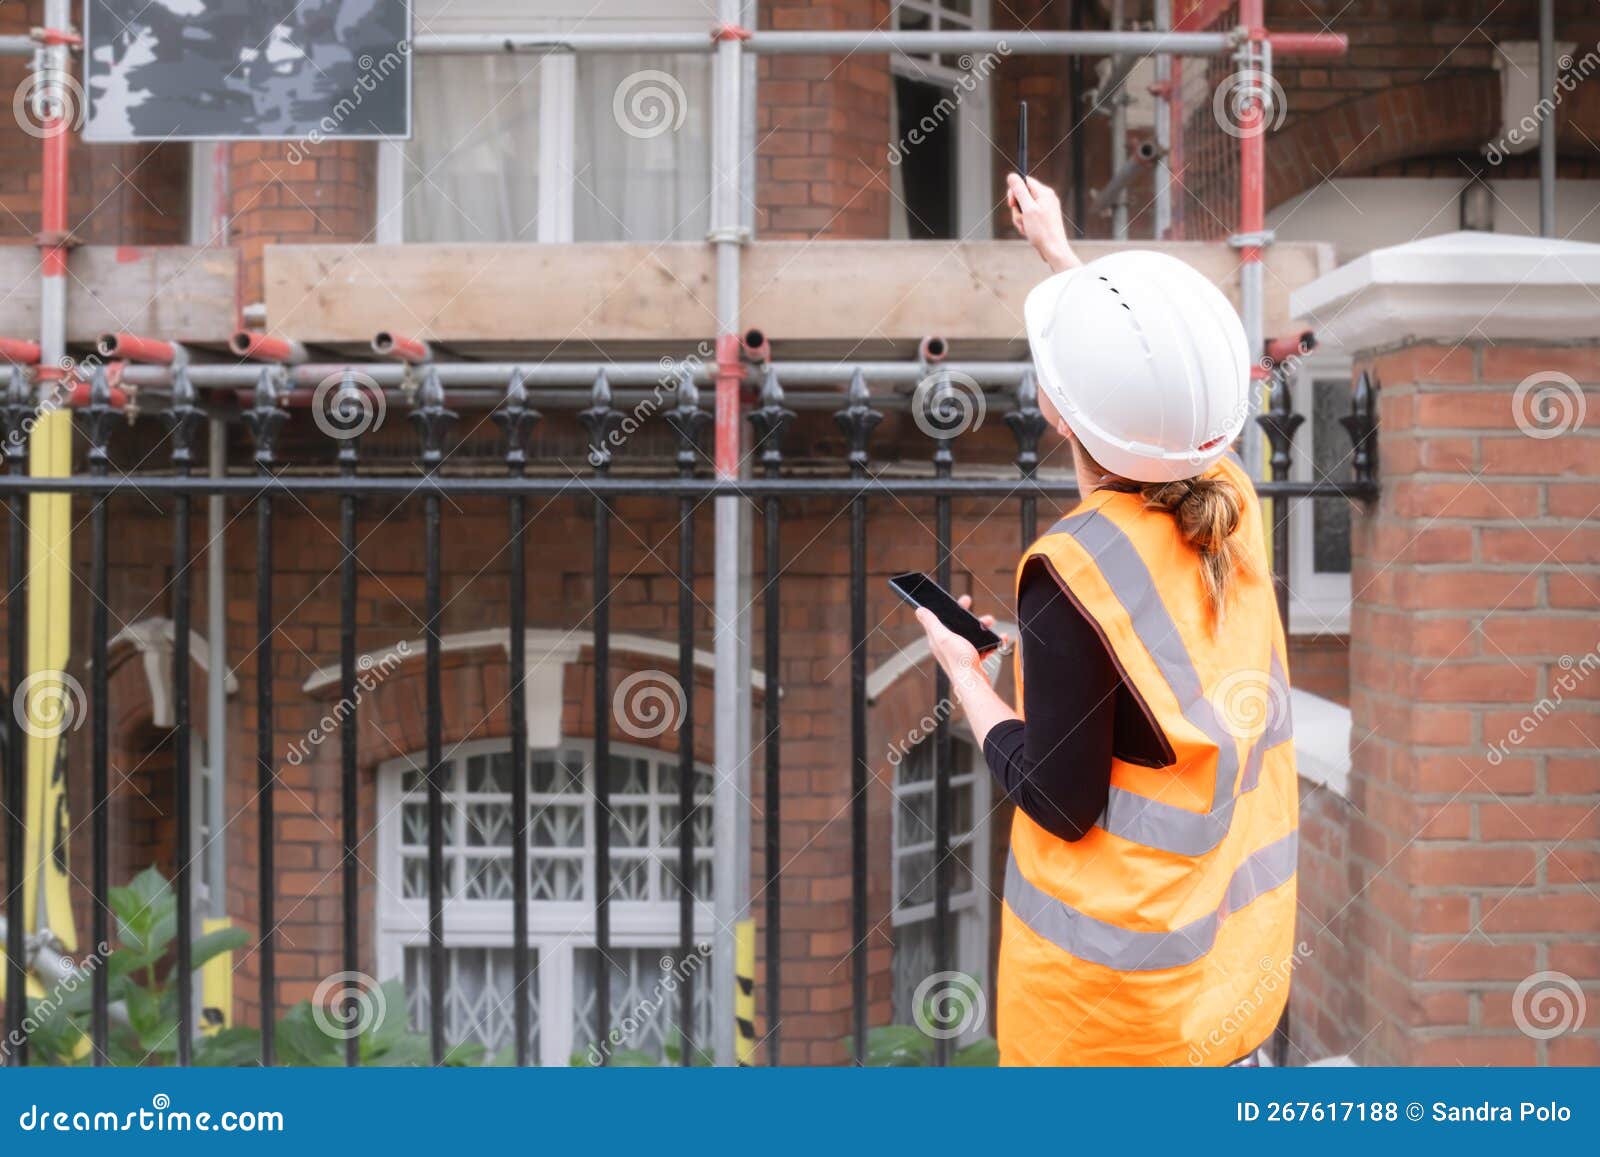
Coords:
564,147
1319,529
940,166
913,859
478,887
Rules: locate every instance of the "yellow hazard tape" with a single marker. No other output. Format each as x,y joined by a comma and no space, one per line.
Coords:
744,994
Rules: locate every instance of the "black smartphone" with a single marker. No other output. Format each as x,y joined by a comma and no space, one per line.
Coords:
1022,139
919,590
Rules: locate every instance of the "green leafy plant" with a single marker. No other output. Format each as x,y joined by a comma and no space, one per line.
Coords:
143,995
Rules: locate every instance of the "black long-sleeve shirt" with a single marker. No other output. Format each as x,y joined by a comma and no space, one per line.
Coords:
1056,766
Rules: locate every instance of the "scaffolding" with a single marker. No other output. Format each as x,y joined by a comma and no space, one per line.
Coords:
1237,45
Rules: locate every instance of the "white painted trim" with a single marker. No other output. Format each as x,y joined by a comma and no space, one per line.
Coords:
1319,604
152,640
548,653
1321,741
1473,286
917,652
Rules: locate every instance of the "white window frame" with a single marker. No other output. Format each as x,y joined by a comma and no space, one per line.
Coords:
971,934
557,930
1319,603
558,88
974,184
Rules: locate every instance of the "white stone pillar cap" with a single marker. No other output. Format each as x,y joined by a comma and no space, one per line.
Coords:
1457,287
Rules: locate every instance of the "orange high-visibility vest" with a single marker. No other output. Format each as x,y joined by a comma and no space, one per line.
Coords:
1166,935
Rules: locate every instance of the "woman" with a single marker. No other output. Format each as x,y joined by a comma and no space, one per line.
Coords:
1150,894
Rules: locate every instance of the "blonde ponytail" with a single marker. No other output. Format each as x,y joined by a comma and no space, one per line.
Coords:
1208,512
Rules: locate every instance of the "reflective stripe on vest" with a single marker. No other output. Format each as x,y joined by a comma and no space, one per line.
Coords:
1139,818
1128,950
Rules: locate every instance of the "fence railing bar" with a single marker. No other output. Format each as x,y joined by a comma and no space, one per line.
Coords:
517,420
349,400
770,420
687,420
185,419
433,422
858,420
265,419
98,422
943,749
602,421
1358,490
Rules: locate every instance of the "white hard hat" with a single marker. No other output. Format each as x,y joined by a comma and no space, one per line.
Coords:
1145,359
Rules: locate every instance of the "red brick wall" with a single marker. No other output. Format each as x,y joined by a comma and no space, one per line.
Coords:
296,193
822,130
1473,855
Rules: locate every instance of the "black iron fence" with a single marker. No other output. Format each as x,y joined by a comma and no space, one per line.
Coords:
768,486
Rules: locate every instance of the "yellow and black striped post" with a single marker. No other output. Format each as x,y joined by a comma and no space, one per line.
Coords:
744,997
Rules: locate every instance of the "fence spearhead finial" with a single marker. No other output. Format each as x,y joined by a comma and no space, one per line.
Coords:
517,419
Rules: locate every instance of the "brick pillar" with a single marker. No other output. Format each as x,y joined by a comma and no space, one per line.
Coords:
292,192
822,165
1471,932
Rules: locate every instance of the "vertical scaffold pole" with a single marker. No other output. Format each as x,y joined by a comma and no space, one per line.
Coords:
731,831
1252,239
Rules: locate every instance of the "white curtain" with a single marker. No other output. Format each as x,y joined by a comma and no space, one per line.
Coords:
641,169
471,166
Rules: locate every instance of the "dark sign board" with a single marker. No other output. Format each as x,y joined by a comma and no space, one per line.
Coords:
162,70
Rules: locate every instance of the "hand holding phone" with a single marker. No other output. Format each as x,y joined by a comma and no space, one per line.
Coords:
919,590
